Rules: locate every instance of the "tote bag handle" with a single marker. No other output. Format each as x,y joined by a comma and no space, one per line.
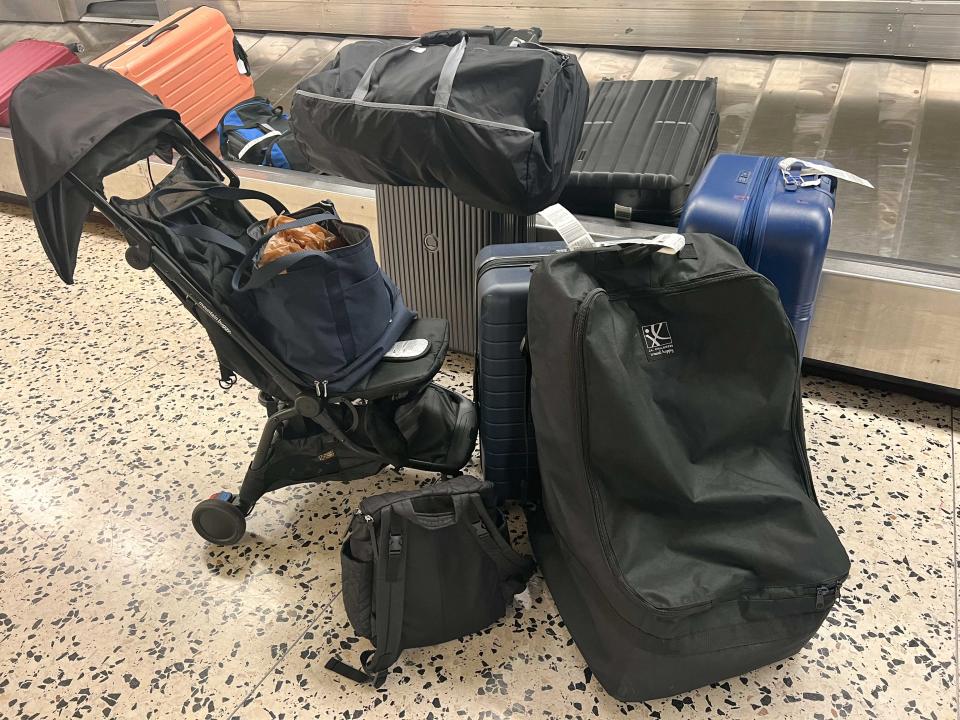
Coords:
223,192
447,73
269,271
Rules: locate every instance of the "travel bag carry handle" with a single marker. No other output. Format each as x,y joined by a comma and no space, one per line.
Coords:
434,521
576,236
222,192
269,271
211,235
154,35
447,73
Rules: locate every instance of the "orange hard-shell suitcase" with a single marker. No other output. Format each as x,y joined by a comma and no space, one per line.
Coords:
191,61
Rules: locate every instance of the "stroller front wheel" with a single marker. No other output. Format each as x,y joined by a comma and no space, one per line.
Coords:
218,520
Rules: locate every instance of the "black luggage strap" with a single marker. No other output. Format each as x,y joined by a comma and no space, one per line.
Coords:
225,192
269,271
389,544
514,569
456,38
209,234
389,581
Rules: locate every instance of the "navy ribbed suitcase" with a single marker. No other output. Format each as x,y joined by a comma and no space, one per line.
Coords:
780,224
507,445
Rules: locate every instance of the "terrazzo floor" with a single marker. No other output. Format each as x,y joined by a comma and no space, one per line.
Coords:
112,426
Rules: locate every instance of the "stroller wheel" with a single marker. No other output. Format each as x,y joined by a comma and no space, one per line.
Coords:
218,520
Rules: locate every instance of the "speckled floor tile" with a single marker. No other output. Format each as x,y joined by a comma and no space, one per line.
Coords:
62,346
111,606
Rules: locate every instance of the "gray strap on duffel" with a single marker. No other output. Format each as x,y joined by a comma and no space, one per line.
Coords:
447,73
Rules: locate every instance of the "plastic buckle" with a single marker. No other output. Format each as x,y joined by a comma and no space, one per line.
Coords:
395,546
792,181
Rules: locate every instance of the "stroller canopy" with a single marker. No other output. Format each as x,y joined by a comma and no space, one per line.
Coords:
83,120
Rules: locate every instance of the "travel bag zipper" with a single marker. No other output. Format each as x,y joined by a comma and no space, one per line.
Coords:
169,25
819,591
416,108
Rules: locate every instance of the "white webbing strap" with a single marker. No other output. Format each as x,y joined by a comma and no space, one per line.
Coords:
576,237
272,132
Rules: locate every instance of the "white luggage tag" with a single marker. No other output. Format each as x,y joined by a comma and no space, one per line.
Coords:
576,237
808,173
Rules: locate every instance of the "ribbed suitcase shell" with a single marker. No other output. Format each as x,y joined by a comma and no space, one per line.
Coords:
781,231
644,143
507,444
190,61
428,242
24,58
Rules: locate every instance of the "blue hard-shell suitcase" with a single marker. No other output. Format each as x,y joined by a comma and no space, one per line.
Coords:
507,444
780,227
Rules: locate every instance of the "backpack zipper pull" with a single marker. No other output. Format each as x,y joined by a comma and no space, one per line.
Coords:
822,592
321,387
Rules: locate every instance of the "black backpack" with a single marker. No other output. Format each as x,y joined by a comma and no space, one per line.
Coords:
682,539
424,567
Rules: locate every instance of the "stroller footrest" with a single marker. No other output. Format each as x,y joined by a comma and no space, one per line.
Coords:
394,376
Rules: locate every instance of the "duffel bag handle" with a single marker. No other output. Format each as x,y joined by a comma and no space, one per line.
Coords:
269,271
447,73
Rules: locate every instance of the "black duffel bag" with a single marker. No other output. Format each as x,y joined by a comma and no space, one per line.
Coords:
498,126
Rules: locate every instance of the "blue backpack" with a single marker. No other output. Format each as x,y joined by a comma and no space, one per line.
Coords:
258,133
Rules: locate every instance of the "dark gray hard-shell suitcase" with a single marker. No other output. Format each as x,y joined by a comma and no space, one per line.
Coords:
643,146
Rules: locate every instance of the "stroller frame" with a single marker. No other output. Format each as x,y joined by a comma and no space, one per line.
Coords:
221,519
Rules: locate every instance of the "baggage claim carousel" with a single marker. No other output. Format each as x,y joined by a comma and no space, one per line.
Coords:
873,87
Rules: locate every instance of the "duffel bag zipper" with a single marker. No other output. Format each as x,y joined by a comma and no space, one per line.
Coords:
418,108
819,592
686,284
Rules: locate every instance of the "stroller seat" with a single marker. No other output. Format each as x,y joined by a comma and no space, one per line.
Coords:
377,411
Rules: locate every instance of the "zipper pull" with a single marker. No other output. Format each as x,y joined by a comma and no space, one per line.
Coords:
321,387
822,592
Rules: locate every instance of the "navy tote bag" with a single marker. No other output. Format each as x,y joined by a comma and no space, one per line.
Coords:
331,315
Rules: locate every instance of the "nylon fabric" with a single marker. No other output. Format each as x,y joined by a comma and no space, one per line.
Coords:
500,146
665,394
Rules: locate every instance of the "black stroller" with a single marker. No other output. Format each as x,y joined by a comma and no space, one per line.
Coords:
188,229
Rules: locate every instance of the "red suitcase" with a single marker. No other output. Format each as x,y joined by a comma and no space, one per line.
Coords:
24,58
